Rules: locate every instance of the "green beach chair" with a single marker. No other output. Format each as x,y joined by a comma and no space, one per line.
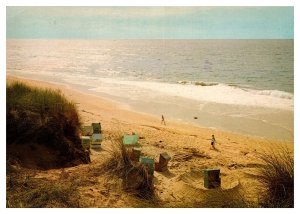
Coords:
149,163
129,140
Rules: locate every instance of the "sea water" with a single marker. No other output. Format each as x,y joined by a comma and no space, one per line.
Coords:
244,86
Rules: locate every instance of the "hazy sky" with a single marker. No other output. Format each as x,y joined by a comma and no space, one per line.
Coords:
150,22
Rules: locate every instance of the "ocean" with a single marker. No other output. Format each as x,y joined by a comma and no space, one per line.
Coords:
243,86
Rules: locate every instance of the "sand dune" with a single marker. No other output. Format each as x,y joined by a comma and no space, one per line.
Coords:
188,145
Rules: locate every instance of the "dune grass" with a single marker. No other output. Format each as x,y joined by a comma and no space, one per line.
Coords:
26,191
135,177
43,116
39,107
50,195
277,178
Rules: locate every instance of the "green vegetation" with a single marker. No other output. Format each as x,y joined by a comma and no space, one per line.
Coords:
42,118
277,178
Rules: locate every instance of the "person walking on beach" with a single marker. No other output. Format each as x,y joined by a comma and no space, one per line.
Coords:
213,141
163,120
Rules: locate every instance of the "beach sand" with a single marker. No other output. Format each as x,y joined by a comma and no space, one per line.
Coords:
182,185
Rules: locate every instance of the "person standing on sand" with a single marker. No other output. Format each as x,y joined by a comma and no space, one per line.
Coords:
213,141
163,120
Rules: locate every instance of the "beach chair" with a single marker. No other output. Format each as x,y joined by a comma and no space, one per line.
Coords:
85,142
148,163
97,137
135,154
130,140
162,165
96,128
212,178
96,140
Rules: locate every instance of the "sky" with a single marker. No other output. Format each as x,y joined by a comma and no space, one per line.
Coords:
150,22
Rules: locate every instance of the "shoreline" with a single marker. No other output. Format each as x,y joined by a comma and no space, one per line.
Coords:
250,126
125,113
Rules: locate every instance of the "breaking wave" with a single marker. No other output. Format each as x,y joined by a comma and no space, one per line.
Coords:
216,92
197,83
276,93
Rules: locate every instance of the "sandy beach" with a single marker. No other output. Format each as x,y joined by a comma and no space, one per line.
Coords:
188,145
150,107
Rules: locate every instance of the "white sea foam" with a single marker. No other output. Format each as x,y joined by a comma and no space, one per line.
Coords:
220,93
275,93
